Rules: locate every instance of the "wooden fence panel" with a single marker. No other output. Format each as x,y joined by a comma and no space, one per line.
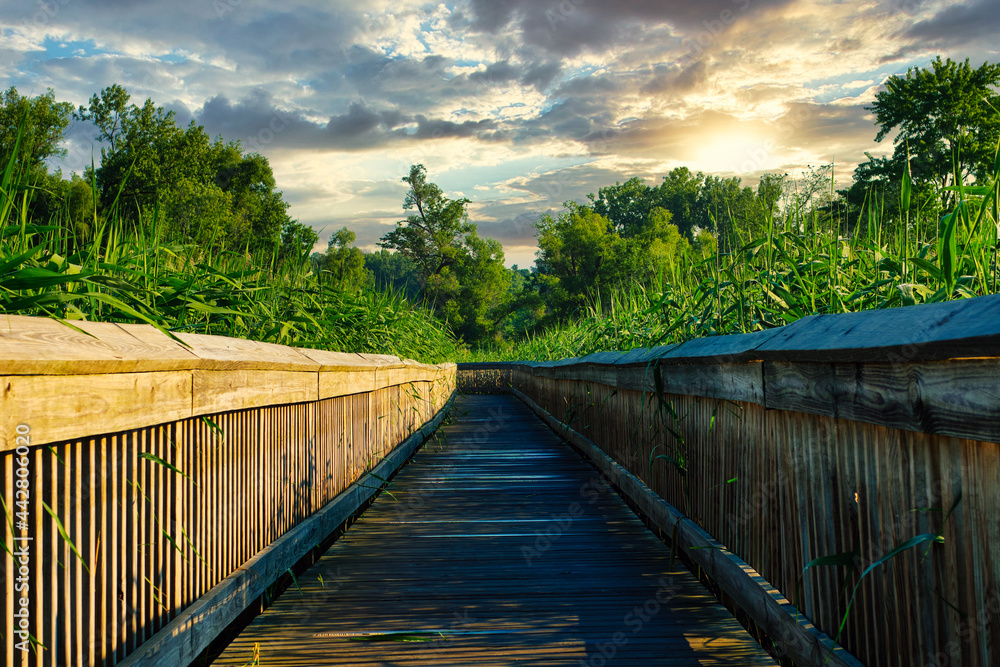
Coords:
834,435
144,512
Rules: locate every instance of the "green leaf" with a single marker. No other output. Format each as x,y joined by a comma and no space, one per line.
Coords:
974,190
11,262
929,267
156,459
65,536
907,184
214,427
948,248
35,277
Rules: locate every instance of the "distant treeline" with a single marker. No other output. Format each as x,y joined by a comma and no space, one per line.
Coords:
177,185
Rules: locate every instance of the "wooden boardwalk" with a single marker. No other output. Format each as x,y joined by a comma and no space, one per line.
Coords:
501,545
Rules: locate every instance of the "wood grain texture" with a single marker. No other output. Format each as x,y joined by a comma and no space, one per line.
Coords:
222,391
732,382
58,408
962,328
344,382
798,638
499,546
335,361
959,398
719,349
63,379
223,353
42,346
186,636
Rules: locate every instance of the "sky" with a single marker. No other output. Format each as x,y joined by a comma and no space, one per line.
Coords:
516,105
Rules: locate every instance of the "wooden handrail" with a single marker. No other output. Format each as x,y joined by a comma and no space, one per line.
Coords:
838,435
150,475
113,377
858,366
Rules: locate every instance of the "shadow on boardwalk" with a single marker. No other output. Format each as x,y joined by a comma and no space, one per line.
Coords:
499,545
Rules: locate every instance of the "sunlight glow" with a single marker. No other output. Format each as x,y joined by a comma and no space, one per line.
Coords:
739,153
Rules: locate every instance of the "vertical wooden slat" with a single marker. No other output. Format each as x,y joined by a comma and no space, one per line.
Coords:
45,596
139,526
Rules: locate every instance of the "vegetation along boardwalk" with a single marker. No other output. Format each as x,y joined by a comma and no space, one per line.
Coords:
498,545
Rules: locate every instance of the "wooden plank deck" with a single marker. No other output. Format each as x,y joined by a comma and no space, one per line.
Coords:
501,546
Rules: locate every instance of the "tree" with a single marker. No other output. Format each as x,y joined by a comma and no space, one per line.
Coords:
678,193
40,122
583,252
656,248
146,150
625,205
484,285
769,192
947,120
68,202
343,263
459,271
432,237
209,192
394,271
297,241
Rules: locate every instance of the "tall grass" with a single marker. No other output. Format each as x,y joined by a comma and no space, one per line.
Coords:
787,273
120,274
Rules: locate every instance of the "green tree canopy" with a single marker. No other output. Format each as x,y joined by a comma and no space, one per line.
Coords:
582,250
39,121
209,192
394,271
462,274
343,263
433,236
946,115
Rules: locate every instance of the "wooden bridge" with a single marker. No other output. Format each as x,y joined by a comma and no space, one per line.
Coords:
159,493
499,545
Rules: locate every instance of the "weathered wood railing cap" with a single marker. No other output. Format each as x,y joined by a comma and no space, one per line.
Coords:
966,328
42,346
88,378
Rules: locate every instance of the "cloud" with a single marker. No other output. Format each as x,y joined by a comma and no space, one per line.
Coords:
570,95
958,23
568,27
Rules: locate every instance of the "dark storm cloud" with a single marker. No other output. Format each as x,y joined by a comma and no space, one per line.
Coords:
428,128
500,72
258,122
301,39
958,24
675,80
541,76
569,26
574,118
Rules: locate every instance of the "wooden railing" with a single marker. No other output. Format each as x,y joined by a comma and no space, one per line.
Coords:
847,434
153,489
